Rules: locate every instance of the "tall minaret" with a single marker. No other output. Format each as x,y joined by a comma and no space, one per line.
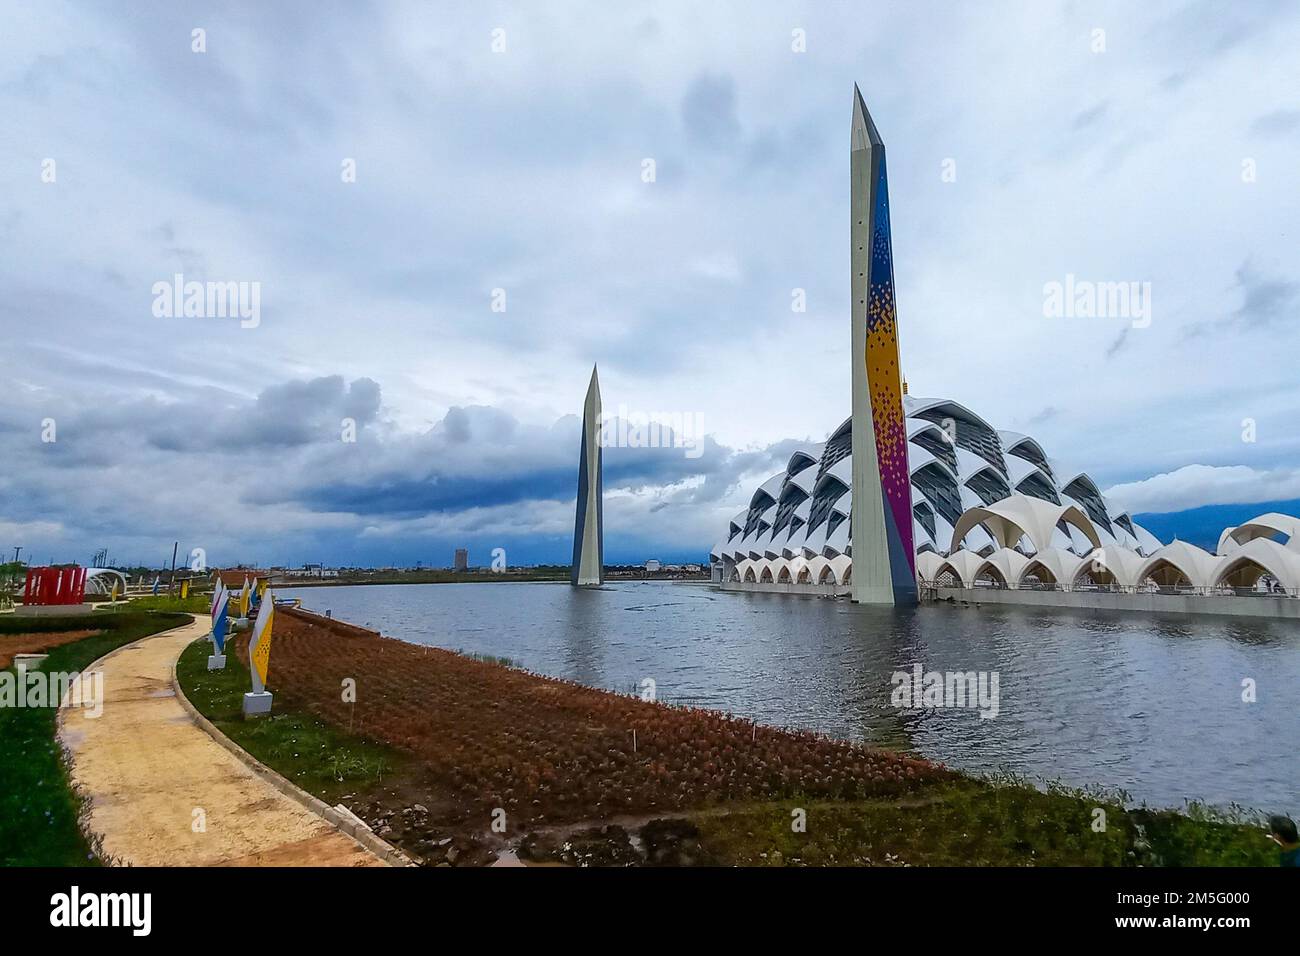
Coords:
588,524
884,562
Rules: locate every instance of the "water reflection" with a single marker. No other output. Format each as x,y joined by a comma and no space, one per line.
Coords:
1148,703
582,618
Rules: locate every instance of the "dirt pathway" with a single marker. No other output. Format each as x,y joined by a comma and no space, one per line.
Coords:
153,774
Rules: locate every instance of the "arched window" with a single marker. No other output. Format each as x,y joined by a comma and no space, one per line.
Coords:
1167,576
1038,577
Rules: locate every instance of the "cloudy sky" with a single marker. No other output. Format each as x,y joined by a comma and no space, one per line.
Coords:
500,155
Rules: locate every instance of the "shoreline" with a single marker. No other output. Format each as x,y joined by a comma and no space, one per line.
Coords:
572,771
480,579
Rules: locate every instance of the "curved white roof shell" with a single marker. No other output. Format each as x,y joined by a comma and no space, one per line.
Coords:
1195,565
1010,565
101,581
1269,525
927,565
966,565
1051,565
1119,564
1243,566
957,461
1020,516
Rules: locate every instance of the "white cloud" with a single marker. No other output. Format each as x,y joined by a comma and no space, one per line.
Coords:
1195,485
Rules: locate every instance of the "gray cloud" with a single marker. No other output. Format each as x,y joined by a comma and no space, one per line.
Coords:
1266,299
1090,117
1276,123
522,171
281,456
709,111
1118,343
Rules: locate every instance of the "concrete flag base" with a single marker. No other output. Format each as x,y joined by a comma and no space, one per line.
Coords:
255,704
216,662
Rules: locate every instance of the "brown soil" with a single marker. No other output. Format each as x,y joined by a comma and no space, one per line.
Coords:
547,751
11,644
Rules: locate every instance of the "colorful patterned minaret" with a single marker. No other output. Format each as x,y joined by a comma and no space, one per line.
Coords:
588,524
884,560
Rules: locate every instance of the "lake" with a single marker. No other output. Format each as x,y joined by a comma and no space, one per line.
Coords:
1150,704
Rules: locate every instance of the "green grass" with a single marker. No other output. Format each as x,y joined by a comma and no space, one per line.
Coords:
21,624
39,811
194,604
326,761
1204,837
487,658
980,823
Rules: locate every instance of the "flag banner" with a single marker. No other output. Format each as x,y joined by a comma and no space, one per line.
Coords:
244,599
259,646
219,623
185,589
156,579
216,596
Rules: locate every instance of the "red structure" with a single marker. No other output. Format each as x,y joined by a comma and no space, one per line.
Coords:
55,586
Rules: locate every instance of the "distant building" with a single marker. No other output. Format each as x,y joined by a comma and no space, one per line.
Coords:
462,559
652,566
234,577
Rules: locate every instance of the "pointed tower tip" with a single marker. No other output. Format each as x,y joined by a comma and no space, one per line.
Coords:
864,133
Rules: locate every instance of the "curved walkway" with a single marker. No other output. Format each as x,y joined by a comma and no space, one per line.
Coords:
147,767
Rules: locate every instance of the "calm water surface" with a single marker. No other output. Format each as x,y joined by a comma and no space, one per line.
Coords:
1147,703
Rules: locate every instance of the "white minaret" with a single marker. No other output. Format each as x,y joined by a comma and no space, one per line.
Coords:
588,524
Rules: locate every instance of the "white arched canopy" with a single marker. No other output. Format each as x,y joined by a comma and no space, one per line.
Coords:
927,566
840,567
818,568
1051,566
964,565
1020,516
1267,526
1007,563
1107,566
1243,567
101,581
1179,563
